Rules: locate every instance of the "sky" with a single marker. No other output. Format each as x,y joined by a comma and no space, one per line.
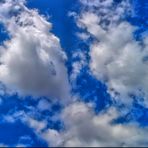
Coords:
73,73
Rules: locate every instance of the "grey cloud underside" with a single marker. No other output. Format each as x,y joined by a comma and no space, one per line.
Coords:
32,61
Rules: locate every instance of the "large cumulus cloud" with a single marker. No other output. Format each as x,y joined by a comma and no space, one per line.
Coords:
117,58
82,127
32,60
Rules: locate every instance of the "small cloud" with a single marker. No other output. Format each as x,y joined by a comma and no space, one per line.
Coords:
43,105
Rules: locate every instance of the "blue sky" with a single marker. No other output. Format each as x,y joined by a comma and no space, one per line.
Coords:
56,86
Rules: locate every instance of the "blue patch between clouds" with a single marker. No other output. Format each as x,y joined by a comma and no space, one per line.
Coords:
10,134
138,113
3,34
140,17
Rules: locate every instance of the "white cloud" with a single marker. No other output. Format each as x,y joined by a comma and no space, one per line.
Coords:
96,2
32,61
12,118
116,57
83,36
43,105
84,128
78,64
35,124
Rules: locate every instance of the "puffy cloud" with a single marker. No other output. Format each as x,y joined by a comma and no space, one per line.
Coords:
119,61
32,61
116,57
35,124
78,64
84,128
43,105
106,13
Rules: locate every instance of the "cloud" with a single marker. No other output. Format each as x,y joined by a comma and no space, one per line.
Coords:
117,59
84,128
78,63
35,124
32,61
24,141
43,105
